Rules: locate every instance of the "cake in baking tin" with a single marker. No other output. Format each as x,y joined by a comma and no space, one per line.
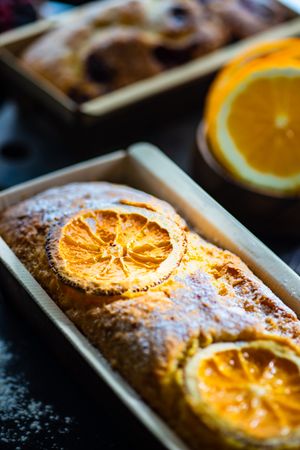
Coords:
203,341
111,45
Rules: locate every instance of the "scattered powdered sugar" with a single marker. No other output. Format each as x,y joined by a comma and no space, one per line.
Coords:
23,418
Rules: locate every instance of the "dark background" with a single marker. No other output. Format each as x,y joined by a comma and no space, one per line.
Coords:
32,142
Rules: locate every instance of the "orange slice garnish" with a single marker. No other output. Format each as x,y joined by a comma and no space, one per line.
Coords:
248,391
115,249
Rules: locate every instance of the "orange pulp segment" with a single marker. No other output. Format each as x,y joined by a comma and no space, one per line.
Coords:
266,116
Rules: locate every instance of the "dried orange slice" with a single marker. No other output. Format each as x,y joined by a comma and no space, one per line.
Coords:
115,249
255,132
249,392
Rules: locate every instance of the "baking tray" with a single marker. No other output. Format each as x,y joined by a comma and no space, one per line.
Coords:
13,42
145,167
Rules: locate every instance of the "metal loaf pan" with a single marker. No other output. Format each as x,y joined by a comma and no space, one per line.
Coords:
190,74
145,167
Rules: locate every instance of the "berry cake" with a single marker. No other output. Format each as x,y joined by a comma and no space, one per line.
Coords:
113,45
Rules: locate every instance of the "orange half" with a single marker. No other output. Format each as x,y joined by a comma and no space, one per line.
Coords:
278,50
255,133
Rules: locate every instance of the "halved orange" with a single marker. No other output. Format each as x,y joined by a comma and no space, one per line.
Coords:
262,52
259,53
255,131
115,249
249,392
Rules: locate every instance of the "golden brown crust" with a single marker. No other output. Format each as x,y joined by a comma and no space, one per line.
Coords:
108,46
210,297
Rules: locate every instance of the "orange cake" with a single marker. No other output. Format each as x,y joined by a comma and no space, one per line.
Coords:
203,341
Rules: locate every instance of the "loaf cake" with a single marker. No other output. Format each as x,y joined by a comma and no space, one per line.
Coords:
114,44
202,340
110,46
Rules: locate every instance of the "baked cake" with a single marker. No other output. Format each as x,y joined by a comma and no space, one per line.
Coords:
115,44
191,328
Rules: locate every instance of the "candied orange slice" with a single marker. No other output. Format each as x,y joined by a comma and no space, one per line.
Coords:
115,249
249,391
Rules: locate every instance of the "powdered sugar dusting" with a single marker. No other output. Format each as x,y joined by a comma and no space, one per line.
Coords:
23,418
